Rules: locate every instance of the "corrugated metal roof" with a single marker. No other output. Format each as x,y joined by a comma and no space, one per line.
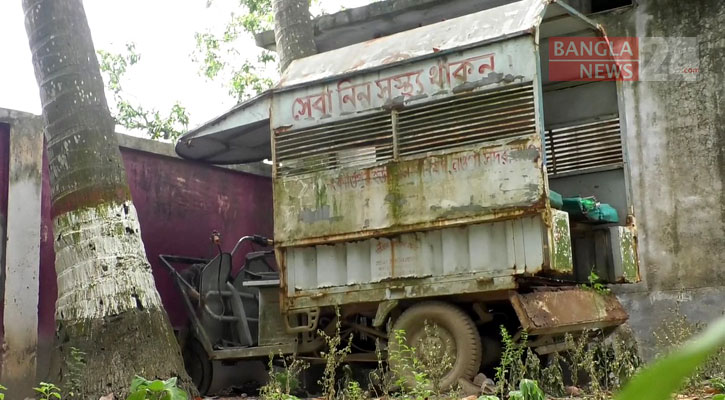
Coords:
241,135
485,26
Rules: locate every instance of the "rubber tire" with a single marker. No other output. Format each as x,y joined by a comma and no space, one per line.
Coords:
458,324
198,365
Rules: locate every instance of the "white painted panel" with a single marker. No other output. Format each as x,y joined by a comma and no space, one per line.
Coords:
304,267
533,243
434,241
331,268
519,250
380,259
487,244
494,247
407,256
455,250
358,262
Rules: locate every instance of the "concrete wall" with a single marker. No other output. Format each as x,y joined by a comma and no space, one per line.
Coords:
179,204
676,142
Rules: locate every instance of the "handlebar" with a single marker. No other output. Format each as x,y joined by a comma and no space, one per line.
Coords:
260,240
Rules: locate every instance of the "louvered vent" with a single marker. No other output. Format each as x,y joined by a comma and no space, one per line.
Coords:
358,142
584,146
450,123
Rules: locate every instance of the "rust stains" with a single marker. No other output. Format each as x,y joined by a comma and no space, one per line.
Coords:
549,312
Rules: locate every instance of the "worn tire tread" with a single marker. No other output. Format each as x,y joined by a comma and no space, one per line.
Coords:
459,324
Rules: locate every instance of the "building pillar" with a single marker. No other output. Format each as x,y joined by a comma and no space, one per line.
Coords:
22,257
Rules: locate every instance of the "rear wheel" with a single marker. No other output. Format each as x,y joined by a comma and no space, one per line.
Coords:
198,365
451,332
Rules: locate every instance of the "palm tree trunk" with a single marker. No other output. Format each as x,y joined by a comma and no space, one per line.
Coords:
107,305
293,30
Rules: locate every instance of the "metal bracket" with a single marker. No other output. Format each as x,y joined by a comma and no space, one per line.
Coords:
313,316
384,309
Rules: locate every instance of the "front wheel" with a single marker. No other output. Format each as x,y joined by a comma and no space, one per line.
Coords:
198,365
432,327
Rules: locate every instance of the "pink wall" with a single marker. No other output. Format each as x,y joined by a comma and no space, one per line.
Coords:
179,204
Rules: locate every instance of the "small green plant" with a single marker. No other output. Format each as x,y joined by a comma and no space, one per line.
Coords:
353,391
144,389
512,368
2,390
435,357
282,384
407,365
334,357
528,390
381,378
595,283
47,391
716,383
552,377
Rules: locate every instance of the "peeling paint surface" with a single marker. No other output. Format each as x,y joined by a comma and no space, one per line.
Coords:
562,261
22,257
479,183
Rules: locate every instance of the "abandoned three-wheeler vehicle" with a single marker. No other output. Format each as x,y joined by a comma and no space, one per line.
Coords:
436,175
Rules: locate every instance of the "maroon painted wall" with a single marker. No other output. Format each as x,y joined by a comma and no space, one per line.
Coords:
179,204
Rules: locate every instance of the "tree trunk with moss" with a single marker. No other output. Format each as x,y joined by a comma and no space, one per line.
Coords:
107,305
293,30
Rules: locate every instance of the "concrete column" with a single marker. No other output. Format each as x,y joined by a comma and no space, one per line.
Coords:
22,260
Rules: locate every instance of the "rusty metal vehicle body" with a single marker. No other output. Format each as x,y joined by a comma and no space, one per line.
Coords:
415,171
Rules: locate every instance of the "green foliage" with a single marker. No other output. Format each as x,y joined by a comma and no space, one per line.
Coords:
382,380
406,364
2,389
144,389
353,391
676,331
664,377
511,368
595,283
75,366
334,357
133,116
427,364
528,390
282,383
552,377
47,391
218,57
716,383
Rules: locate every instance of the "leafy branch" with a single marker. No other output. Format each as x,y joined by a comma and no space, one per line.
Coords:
134,116
215,53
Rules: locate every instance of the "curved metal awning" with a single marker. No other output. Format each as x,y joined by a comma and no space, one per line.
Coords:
242,134
239,136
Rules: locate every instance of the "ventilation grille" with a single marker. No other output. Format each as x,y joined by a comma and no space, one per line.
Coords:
451,123
584,146
353,143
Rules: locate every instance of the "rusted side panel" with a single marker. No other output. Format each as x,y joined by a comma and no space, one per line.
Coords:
481,183
552,312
